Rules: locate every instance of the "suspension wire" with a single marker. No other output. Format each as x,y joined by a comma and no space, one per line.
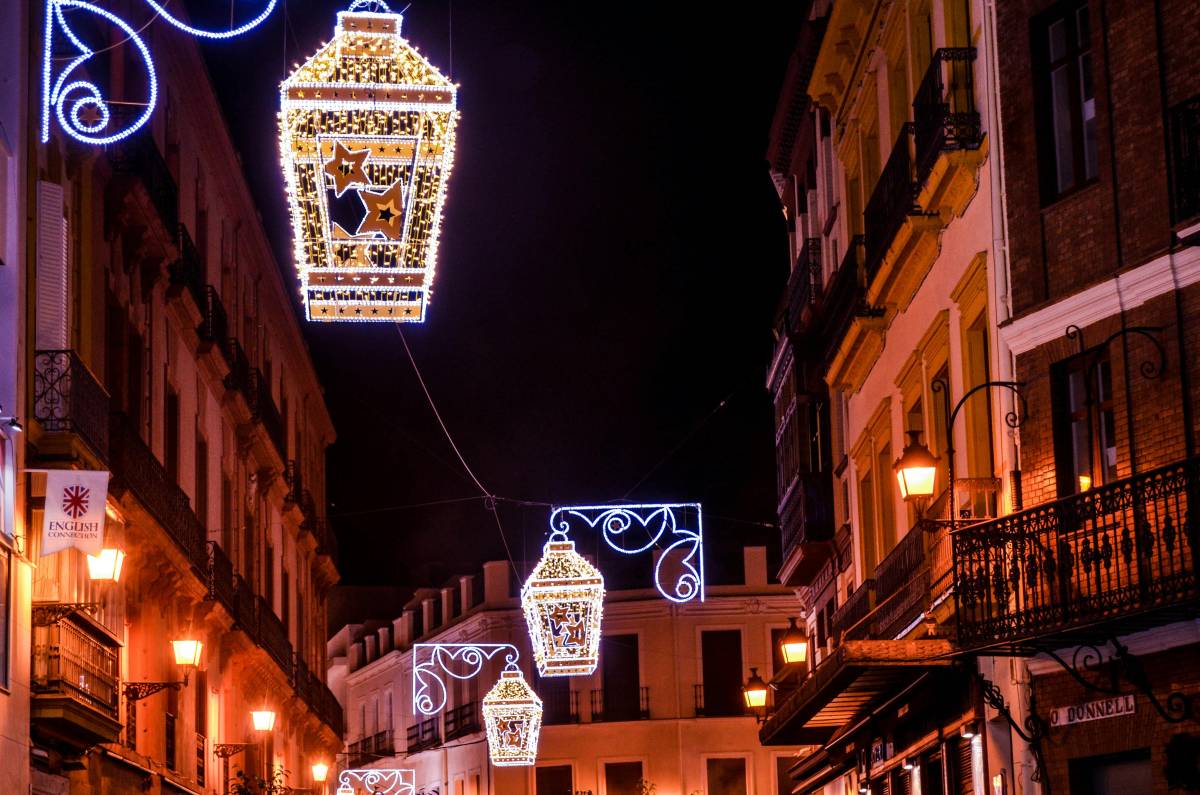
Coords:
686,438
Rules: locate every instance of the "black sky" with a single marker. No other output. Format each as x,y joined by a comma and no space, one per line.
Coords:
611,259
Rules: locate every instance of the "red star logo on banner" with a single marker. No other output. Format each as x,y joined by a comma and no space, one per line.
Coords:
75,501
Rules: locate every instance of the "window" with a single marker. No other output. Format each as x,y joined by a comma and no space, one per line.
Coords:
721,674
1085,444
777,653
622,778
553,780
783,781
619,678
1066,98
1112,774
201,480
726,776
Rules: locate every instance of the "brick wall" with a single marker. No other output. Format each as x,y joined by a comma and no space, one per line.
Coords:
1071,243
1173,670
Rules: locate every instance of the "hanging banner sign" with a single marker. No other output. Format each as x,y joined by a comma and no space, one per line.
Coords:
1094,710
74,510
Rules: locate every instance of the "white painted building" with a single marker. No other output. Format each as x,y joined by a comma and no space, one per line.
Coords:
662,713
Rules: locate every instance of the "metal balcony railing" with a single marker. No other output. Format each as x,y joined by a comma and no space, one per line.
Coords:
221,585
138,157
805,282
69,661
264,411
732,705
188,270
273,635
462,720
238,377
1111,554
892,200
620,706
214,323
1184,120
291,476
944,114
67,398
423,735
560,707
371,749
848,620
806,515
136,467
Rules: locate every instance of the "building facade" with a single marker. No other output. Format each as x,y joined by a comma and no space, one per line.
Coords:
1024,178
663,713
883,152
154,340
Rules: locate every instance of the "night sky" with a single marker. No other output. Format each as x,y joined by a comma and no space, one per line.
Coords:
611,260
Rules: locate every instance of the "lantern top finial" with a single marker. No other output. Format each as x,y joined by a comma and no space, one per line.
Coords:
561,561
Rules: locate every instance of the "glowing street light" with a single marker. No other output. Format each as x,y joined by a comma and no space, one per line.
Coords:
106,566
794,646
262,719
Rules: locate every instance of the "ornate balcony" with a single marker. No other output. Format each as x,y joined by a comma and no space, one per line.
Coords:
462,720
849,620
137,162
944,114
221,586
622,708
804,284
75,684
187,272
214,322
423,735
733,706
136,468
806,526
68,400
1123,555
264,412
273,636
371,749
892,201
1185,161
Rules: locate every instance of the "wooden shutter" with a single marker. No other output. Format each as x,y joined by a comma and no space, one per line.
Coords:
964,772
52,296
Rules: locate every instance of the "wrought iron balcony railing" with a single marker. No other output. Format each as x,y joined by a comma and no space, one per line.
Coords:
732,705
188,270
805,282
892,200
238,377
214,323
138,157
273,635
371,749
423,735
69,661
1185,160
845,299
560,707
944,114
806,515
295,484
462,720
262,406
849,619
67,398
221,578
1111,555
621,706
136,468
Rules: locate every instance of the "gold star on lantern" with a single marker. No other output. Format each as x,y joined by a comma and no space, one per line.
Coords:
346,167
384,212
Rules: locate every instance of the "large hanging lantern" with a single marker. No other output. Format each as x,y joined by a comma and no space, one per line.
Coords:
367,142
563,602
512,714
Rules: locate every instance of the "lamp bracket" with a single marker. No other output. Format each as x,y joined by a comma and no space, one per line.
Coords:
46,614
434,662
226,750
136,691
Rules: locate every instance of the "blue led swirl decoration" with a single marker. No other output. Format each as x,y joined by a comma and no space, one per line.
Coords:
380,781
619,526
76,101
432,662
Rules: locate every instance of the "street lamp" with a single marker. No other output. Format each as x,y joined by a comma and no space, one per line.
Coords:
754,692
320,771
263,720
916,469
187,656
106,566
794,646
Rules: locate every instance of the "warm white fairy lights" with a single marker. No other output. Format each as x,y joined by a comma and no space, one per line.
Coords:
367,130
563,601
512,715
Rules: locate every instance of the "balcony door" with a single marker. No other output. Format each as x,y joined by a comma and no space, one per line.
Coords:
620,677
721,660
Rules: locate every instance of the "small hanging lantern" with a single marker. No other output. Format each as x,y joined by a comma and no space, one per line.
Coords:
563,600
512,714
367,143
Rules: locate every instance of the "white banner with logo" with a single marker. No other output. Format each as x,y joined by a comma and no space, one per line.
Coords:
74,510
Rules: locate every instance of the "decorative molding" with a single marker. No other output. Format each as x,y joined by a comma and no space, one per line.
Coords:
1128,290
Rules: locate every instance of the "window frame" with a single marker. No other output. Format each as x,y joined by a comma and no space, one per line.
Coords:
1063,418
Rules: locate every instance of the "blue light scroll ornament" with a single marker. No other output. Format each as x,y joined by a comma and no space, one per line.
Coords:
378,781
636,529
433,662
69,93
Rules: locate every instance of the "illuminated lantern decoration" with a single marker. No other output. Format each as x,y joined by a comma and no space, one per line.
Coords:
367,142
512,714
563,600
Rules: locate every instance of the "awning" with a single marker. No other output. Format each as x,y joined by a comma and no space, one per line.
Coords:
853,679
